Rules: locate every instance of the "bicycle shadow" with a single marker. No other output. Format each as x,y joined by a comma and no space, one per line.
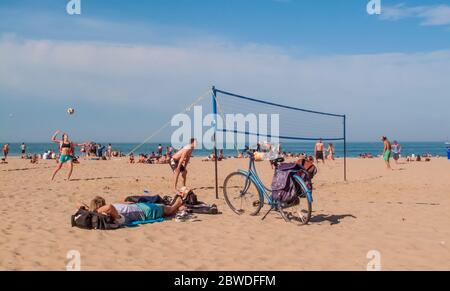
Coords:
333,219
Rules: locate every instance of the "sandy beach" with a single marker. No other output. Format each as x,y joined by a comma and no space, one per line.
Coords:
404,214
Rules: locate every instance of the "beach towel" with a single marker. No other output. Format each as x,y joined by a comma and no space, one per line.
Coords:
137,223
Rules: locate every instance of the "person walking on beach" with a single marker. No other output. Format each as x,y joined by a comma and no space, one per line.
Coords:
180,161
109,151
160,150
23,149
318,151
67,150
387,152
330,151
5,151
396,151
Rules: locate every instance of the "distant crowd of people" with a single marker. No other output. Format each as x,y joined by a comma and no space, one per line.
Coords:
155,157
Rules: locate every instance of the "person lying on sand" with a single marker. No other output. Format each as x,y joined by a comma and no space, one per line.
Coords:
125,213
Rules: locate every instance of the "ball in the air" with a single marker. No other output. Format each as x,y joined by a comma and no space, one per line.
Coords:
71,111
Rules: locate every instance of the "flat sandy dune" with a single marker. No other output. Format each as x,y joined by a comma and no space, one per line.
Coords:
404,214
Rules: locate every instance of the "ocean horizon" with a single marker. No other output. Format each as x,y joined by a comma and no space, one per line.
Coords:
354,149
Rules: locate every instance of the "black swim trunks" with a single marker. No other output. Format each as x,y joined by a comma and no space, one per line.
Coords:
319,155
174,165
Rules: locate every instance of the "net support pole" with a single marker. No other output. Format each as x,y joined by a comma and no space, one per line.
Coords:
345,148
214,104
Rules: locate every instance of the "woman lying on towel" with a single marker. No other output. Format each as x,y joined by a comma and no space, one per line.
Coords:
125,213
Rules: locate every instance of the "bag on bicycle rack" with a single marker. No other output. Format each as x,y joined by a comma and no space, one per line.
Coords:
284,188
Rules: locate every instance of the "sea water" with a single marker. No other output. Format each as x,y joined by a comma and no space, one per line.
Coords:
354,149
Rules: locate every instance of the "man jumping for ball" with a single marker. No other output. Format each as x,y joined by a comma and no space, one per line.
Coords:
180,161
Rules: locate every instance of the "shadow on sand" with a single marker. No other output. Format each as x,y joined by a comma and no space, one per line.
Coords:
333,219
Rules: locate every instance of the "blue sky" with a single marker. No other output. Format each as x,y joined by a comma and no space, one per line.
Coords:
127,66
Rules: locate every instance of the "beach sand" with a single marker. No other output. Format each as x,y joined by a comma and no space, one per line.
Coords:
404,214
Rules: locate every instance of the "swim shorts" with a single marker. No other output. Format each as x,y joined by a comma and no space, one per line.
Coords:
174,165
65,158
151,211
387,155
319,155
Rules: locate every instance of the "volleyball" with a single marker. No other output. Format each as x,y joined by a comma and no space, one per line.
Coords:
71,111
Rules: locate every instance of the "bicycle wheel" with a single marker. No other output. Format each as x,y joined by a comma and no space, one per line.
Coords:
242,195
298,210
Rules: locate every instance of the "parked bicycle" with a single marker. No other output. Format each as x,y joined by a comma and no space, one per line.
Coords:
244,192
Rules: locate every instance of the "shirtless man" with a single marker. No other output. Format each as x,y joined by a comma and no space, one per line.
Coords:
318,151
23,149
386,152
180,161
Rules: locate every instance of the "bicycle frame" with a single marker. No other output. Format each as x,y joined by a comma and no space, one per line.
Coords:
263,191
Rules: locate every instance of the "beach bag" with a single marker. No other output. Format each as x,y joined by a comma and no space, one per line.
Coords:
309,167
284,188
86,219
203,208
191,199
145,199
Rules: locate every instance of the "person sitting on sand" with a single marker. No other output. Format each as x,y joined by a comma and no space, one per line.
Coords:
34,159
142,159
386,152
67,150
318,151
180,161
125,213
131,158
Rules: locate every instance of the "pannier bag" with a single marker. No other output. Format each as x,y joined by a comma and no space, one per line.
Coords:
284,188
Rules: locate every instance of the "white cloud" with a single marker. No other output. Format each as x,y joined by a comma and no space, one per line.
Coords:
398,93
432,15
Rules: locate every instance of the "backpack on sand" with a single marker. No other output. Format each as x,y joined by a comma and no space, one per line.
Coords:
86,219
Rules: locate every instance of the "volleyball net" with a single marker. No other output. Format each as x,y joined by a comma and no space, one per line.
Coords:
249,121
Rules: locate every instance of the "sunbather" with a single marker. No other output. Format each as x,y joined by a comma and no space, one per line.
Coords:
125,213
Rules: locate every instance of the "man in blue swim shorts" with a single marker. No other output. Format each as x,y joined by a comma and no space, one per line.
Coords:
387,152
